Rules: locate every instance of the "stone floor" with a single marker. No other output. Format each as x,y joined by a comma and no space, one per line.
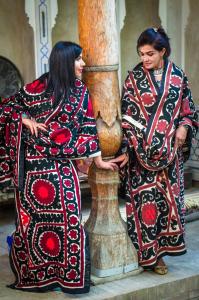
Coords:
181,282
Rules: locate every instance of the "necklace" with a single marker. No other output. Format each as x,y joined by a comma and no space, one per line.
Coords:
158,71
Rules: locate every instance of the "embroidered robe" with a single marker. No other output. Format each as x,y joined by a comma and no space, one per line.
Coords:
154,176
50,247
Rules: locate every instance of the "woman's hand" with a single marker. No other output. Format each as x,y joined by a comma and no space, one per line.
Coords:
107,165
122,159
33,126
180,137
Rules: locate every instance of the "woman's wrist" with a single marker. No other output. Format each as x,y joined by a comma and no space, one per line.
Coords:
97,160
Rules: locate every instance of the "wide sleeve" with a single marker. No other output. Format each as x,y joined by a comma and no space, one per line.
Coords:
126,108
87,143
188,114
81,136
11,110
9,107
188,118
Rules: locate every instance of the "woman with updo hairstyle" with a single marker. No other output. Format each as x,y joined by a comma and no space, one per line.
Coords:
159,121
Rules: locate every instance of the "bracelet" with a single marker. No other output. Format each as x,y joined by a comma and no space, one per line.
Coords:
24,115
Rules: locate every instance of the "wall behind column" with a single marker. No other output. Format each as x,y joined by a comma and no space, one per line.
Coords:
192,49
140,14
66,27
16,37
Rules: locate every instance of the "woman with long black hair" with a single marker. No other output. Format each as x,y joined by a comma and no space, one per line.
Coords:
44,127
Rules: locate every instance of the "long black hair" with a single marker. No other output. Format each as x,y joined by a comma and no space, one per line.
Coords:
61,76
155,37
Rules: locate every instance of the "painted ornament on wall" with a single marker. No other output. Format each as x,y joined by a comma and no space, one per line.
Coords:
10,78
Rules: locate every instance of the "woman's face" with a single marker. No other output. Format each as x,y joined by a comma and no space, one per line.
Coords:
151,58
79,64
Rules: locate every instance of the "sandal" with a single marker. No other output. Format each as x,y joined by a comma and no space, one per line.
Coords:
161,270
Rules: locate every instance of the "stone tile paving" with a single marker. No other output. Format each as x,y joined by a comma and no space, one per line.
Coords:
181,283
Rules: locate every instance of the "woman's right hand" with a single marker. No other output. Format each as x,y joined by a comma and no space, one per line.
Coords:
122,159
33,126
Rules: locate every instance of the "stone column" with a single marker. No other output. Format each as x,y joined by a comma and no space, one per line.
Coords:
111,250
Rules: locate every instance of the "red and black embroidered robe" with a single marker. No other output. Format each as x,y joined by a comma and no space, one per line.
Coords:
154,175
49,246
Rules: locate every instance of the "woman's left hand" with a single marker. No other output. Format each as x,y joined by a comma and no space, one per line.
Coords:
106,165
121,159
180,137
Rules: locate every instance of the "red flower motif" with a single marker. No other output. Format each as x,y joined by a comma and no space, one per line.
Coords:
7,109
17,241
54,151
71,207
13,141
72,274
61,272
44,191
68,151
22,255
68,183
162,126
78,83
41,275
129,209
175,189
24,271
39,148
35,87
93,146
5,166
12,127
50,271
73,220
149,213
63,118
54,126
74,248
68,107
24,217
2,151
61,136
147,99
69,195
50,243
15,116
66,171
73,260
81,150
175,80
73,234
2,119
72,99
12,153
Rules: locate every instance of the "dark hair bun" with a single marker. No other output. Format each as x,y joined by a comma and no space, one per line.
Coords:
156,37
162,32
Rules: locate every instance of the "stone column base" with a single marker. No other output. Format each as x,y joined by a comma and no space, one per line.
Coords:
112,252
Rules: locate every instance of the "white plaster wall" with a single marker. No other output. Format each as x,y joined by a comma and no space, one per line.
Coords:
16,37
192,48
66,27
140,14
